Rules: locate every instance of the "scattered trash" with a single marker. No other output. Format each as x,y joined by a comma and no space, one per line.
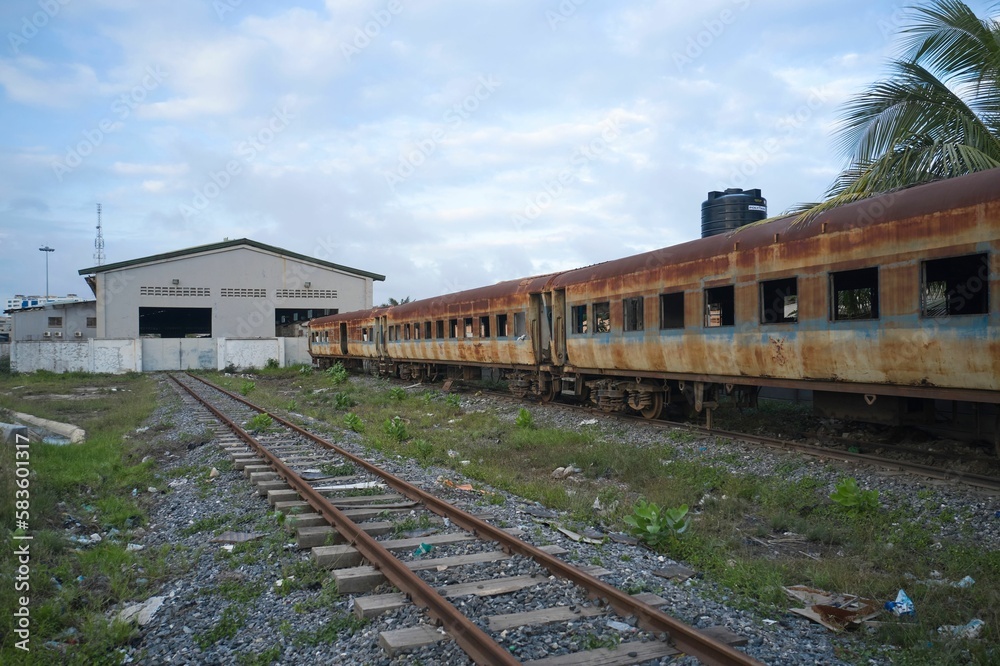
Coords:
214,473
142,429
177,482
587,422
142,613
901,606
453,454
770,622
936,579
132,547
836,612
423,549
970,629
237,537
563,472
620,626
968,581
152,489
228,547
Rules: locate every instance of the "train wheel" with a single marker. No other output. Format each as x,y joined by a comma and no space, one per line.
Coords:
552,393
655,408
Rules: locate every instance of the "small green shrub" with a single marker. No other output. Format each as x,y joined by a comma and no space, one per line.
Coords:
343,401
524,419
247,387
656,526
397,393
337,373
260,423
423,450
453,400
854,499
272,364
395,428
353,422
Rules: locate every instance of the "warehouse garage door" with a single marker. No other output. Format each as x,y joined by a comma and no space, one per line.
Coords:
175,322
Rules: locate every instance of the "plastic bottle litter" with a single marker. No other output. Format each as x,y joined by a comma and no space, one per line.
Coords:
903,605
423,549
970,629
965,582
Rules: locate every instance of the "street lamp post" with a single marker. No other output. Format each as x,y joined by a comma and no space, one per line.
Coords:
46,250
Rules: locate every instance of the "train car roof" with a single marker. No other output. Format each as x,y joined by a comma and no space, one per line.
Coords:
927,199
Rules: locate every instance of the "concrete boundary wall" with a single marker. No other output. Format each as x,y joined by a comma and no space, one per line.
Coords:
117,356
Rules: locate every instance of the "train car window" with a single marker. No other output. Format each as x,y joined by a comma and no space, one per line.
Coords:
956,286
779,301
520,330
428,330
578,317
502,326
484,326
632,314
452,328
468,327
399,332
720,306
406,331
672,310
439,329
854,294
416,330
392,333
602,317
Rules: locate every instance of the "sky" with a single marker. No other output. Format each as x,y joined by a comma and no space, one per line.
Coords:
444,144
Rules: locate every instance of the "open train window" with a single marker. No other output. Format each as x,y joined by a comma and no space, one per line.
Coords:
484,326
406,331
632,314
428,331
779,301
392,333
854,294
578,317
365,335
452,328
399,332
468,327
672,310
602,317
520,329
956,286
720,306
416,331
502,326
439,324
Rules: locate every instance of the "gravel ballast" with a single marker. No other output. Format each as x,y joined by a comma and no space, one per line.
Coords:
213,589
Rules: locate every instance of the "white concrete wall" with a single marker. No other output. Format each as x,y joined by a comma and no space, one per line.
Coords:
148,354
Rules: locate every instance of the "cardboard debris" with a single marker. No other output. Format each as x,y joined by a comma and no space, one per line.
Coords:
675,571
836,612
579,537
143,612
448,483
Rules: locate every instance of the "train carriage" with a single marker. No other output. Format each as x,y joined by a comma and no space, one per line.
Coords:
879,307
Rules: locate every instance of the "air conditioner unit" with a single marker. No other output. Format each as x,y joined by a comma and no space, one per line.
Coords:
78,334
58,334
46,334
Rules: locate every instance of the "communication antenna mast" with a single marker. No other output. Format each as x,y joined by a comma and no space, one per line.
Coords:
99,241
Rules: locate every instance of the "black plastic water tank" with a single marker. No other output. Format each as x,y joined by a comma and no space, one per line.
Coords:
725,211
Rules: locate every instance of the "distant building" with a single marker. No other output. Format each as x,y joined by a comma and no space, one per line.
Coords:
4,328
233,289
55,322
20,301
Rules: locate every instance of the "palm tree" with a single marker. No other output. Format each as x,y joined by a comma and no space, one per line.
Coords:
937,116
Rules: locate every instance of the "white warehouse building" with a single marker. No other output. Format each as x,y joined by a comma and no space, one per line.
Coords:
233,289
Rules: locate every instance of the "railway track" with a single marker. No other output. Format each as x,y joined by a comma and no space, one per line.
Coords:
945,473
338,504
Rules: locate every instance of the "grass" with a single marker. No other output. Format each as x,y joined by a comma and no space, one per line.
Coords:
72,587
750,534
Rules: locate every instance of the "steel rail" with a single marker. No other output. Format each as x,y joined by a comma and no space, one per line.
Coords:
968,478
480,647
684,637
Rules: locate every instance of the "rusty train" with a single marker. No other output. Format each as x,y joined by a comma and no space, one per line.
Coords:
887,309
